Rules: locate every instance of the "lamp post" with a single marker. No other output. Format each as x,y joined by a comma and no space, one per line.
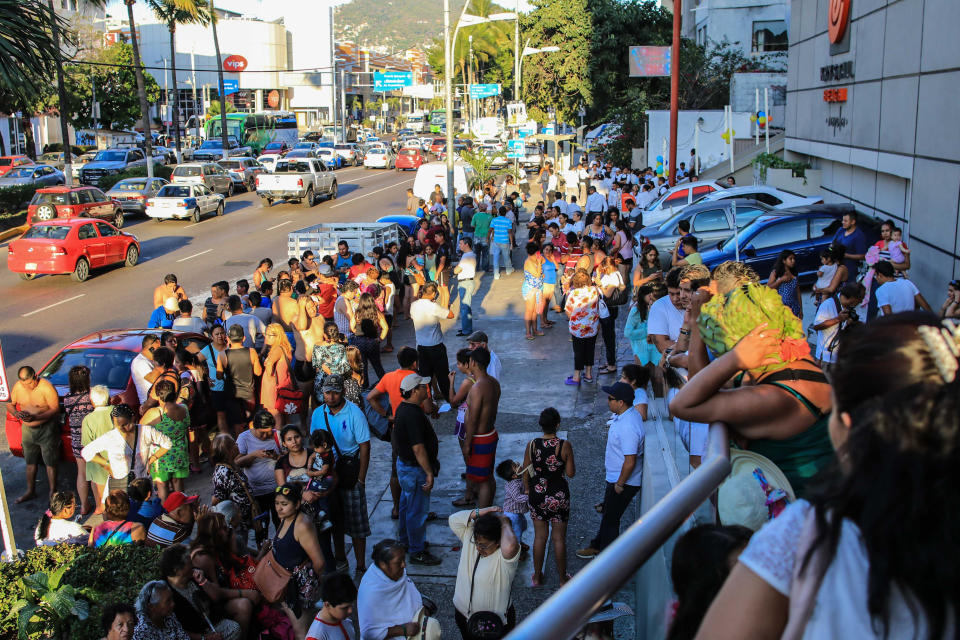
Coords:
529,51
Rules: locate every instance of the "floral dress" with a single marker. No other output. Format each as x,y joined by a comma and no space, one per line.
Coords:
231,484
333,355
77,407
549,492
583,311
175,463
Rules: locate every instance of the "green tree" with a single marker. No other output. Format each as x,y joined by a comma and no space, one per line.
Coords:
213,109
28,50
489,39
141,87
172,13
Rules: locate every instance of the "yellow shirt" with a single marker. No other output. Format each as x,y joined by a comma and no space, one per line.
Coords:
491,586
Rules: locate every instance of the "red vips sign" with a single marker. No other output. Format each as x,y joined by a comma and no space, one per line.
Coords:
235,63
273,99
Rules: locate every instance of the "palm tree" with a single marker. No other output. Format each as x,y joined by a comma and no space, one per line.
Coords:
28,52
223,112
172,13
141,89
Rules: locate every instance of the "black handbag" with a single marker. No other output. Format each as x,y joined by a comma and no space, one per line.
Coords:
348,467
483,625
619,297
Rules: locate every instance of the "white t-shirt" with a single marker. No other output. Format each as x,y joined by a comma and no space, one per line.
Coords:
664,319
253,329
826,311
899,294
320,630
626,437
61,530
468,266
640,397
840,610
426,316
139,368
494,573
189,324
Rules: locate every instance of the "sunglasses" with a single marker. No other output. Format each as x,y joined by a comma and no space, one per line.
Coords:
283,490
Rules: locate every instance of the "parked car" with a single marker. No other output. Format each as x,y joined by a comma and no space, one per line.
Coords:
73,245
244,172
674,199
41,175
133,193
299,180
301,153
268,162
330,158
275,149
56,159
409,158
109,162
710,222
308,145
80,162
164,155
532,156
107,354
8,163
73,202
776,198
182,201
212,149
209,174
379,158
408,224
805,230
348,152
495,142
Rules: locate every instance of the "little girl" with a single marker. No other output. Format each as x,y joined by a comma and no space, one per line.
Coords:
898,250
515,501
825,274
320,464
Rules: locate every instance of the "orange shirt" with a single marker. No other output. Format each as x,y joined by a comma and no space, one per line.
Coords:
390,384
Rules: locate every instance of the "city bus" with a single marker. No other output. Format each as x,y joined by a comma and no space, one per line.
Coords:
438,118
416,121
256,129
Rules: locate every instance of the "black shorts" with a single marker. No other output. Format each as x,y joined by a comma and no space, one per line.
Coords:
303,371
219,401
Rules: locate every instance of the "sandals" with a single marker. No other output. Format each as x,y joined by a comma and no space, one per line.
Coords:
587,379
529,337
572,382
606,370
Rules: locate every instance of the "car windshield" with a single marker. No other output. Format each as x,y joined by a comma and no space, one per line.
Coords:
377,151
274,145
304,145
109,367
130,185
48,231
20,173
230,164
409,152
187,171
174,191
41,197
5,162
111,156
325,152
343,147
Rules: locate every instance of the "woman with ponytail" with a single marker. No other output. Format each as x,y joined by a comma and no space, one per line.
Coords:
56,525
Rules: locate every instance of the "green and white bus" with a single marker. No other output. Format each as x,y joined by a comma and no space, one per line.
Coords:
256,129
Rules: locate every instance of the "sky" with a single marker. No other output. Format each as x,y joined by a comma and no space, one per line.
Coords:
256,8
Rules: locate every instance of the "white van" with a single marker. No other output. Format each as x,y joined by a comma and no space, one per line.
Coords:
435,173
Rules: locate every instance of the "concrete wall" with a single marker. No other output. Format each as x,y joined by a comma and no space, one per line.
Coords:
744,88
893,148
732,20
712,149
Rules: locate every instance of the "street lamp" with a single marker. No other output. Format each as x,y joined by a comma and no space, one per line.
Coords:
528,51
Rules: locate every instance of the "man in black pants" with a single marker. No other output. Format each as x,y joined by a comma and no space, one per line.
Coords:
426,315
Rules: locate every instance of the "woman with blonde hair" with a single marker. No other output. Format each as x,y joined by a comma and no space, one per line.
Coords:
276,369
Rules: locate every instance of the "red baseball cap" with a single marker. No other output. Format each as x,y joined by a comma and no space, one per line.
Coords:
177,499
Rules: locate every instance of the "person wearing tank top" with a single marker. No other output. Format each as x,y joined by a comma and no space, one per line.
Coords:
238,367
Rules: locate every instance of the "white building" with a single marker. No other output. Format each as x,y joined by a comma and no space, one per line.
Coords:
758,27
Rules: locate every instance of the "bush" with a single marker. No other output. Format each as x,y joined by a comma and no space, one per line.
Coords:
116,573
77,150
159,171
15,198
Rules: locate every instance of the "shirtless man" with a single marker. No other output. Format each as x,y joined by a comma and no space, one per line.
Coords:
169,289
479,445
35,402
285,308
309,332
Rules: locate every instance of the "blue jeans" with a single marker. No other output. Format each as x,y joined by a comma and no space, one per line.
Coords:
483,256
414,506
465,289
501,250
518,522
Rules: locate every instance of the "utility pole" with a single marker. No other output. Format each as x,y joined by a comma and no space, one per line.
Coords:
674,90
196,105
448,91
343,107
469,80
223,93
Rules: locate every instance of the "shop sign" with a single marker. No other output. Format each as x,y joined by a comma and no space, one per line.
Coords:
235,63
837,19
839,71
273,99
835,95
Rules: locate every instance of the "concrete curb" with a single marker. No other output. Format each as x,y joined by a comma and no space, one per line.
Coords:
13,232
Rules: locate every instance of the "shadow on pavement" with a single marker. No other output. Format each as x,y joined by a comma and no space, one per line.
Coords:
232,206
162,245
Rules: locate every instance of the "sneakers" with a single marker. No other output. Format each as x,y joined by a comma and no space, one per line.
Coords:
588,553
425,558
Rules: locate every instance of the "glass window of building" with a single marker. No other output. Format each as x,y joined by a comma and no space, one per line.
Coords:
769,35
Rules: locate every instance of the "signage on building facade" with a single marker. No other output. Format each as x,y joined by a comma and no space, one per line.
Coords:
837,19
230,86
390,80
273,99
649,62
840,71
235,63
835,95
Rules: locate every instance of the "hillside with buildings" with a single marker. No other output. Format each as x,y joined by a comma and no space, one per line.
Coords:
393,24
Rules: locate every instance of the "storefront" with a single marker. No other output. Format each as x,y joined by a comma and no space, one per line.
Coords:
872,98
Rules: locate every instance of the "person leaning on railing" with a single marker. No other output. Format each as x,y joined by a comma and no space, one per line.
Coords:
873,551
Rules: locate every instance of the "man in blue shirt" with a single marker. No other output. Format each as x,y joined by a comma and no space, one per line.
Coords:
854,241
349,427
163,317
501,235
344,260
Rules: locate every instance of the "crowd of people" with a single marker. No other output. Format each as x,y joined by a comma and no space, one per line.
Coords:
281,383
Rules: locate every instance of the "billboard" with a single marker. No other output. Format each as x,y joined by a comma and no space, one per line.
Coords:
516,114
649,62
390,80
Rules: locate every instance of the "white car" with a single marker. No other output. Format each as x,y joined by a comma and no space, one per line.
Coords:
268,162
379,158
184,201
495,142
776,198
412,143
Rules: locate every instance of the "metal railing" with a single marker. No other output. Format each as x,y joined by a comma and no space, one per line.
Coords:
567,611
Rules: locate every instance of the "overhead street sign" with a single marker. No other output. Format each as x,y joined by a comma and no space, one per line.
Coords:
649,62
515,149
390,80
230,86
480,91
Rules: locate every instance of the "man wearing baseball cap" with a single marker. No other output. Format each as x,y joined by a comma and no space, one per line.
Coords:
479,339
417,448
176,524
623,462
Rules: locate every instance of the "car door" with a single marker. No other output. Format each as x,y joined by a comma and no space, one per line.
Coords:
113,243
762,249
92,245
87,206
821,231
224,181
103,206
322,178
711,226
205,198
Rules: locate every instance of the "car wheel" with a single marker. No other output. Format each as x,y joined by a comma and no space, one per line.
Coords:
220,208
333,191
45,212
133,255
82,271
118,218
28,276
230,189
252,184
196,215
308,199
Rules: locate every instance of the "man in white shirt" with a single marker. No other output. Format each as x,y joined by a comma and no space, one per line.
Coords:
479,339
614,196
426,315
623,465
253,327
646,196
560,202
571,182
832,315
143,365
596,203
465,271
665,319
896,295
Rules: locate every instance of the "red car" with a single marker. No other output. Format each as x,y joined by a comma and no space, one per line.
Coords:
8,163
72,245
74,202
410,159
437,145
275,149
108,355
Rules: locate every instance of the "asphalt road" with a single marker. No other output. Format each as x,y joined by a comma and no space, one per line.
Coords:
40,316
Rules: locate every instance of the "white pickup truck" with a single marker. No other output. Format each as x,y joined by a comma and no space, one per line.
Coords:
298,180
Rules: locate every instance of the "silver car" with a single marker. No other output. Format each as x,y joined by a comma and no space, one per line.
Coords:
133,193
210,174
39,175
244,172
56,159
348,152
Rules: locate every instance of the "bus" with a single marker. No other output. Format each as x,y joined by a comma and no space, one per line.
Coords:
416,121
256,129
438,118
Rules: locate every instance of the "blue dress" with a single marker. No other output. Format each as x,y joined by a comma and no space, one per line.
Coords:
790,294
635,330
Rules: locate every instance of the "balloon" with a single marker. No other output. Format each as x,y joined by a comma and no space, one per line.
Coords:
732,133
762,120
725,136
761,114
659,158
753,118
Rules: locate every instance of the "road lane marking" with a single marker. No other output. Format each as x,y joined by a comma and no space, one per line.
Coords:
194,255
55,304
276,226
194,224
392,186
